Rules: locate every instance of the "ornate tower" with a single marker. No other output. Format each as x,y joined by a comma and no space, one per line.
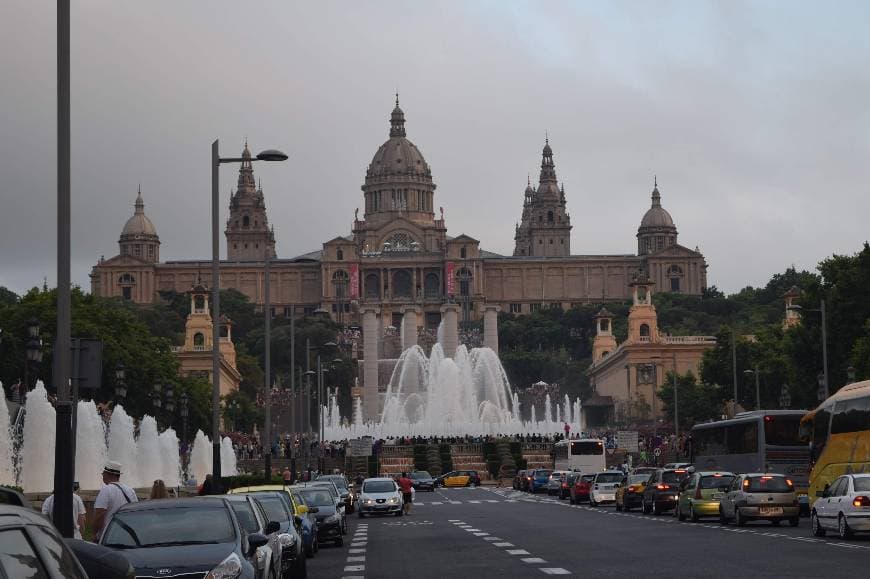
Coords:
604,342
657,230
249,237
643,323
139,237
545,229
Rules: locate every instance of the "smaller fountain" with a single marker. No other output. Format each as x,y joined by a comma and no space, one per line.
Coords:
200,457
228,458
171,462
150,465
122,445
91,452
37,452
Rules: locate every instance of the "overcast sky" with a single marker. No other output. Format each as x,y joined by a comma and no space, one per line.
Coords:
753,115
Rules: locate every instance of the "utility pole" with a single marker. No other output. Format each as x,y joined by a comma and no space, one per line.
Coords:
267,414
293,369
757,389
676,401
827,386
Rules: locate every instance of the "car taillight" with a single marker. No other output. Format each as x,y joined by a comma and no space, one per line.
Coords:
663,487
861,501
564,485
632,489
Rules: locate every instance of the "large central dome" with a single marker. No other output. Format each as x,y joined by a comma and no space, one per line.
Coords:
398,157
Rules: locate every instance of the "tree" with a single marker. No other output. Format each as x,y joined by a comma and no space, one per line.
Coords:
695,402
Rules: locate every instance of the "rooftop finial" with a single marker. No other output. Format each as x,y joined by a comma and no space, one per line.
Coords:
397,96
546,137
655,181
140,189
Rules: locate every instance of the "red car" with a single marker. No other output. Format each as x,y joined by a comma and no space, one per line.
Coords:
580,489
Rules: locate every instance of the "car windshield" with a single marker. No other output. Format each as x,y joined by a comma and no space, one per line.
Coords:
170,526
720,482
274,508
862,483
330,488
588,478
674,476
245,514
318,498
420,474
609,477
337,480
767,484
379,486
637,479
540,473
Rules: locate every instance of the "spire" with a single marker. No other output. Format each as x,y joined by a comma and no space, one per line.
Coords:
548,168
246,172
397,120
139,205
656,196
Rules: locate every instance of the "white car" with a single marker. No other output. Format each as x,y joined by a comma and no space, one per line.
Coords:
380,496
844,507
604,487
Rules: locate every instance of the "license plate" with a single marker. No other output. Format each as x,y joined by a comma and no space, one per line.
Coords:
717,496
770,510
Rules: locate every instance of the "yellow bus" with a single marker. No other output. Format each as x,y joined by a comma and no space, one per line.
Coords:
839,435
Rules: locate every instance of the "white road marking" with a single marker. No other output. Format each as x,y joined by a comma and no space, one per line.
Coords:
359,559
492,539
435,503
481,534
356,550
452,520
533,560
355,568
503,544
554,571
517,552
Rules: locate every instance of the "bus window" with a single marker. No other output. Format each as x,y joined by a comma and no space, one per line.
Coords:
820,431
709,441
782,430
851,416
742,438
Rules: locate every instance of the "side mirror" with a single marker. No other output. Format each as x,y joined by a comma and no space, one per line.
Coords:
313,510
99,561
302,509
255,541
272,527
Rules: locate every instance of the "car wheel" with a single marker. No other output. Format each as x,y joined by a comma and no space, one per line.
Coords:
722,520
592,503
692,514
816,525
843,529
794,521
646,508
738,518
656,510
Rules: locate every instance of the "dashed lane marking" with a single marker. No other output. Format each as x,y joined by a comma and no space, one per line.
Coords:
352,568
517,552
504,544
554,571
533,560
357,559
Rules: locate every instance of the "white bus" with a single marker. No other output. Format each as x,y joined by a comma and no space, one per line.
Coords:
585,455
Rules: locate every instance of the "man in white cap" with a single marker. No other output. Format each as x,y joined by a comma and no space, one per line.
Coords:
111,497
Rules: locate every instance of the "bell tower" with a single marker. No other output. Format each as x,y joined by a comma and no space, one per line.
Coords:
249,237
545,229
642,318
604,342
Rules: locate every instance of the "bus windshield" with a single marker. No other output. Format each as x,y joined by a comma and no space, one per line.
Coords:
587,447
782,431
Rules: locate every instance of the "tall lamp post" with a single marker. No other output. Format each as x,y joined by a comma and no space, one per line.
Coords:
824,382
34,353
216,162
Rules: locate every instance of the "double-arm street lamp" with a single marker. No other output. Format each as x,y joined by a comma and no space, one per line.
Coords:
216,162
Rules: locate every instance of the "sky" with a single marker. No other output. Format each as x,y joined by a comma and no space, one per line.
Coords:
754,116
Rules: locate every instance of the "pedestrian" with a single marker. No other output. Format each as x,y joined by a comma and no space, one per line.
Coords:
111,497
287,477
407,488
207,487
158,490
78,511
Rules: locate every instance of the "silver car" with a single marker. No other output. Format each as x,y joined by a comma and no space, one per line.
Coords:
844,507
760,496
380,496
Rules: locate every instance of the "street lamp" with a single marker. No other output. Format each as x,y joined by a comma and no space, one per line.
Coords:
170,402
757,385
185,412
34,353
216,162
823,391
120,385
825,384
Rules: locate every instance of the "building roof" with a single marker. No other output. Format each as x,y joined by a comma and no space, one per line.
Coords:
656,216
398,156
139,224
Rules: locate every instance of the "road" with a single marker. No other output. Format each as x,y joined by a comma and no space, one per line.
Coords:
492,532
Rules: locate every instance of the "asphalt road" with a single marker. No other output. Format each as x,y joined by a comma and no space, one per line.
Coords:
491,532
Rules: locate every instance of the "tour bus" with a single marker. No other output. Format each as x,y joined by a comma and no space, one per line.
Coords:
756,441
839,435
585,455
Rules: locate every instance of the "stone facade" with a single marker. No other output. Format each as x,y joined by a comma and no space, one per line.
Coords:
398,254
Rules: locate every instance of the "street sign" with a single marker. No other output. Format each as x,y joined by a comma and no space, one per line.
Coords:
657,452
627,440
360,447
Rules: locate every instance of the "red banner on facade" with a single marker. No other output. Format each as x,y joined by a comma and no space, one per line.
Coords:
451,278
354,281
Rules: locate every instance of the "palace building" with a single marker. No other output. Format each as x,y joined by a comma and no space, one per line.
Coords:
398,254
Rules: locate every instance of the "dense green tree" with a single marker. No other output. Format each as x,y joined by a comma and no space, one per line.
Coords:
696,402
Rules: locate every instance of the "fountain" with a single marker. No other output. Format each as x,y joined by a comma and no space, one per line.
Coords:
122,445
37,447
200,457
91,451
7,464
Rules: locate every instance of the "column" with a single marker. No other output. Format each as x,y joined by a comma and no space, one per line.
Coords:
450,319
490,327
410,315
370,402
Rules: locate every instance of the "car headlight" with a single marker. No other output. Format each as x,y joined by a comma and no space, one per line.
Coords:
369,502
229,568
393,500
287,540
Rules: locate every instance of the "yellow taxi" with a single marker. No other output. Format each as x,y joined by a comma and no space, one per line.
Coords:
630,491
455,480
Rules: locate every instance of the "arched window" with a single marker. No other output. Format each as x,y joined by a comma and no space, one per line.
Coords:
605,324
198,340
199,303
549,216
339,255
462,252
644,331
339,281
465,278
402,284
399,241
372,286
432,285
246,221
126,279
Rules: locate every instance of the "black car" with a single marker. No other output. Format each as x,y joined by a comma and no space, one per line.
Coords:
175,537
27,536
663,490
329,520
343,488
422,481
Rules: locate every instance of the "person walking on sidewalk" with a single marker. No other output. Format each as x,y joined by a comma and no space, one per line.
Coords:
407,488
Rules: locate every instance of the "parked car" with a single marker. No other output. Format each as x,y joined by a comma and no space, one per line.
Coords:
760,496
844,507
519,478
174,537
539,478
582,487
701,493
567,483
329,517
283,551
662,490
336,495
526,480
380,496
344,490
27,535
630,492
422,481
604,487
557,478
472,481
307,526
647,470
